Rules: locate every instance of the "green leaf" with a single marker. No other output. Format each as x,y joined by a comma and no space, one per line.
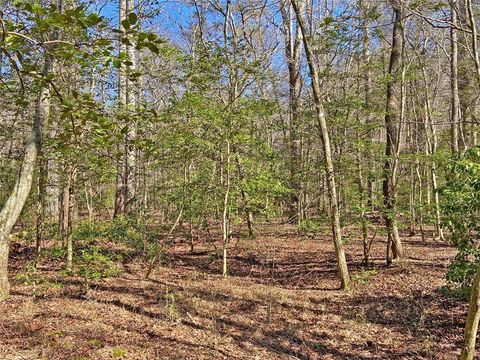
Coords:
132,18
153,48
328,20
126,24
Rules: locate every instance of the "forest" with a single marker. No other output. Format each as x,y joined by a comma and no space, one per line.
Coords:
239,179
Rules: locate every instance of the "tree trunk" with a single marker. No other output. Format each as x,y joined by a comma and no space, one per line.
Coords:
16,201
329,170
471,327
455,98
41,188
225,217
293,53
392,121
245,198
126,169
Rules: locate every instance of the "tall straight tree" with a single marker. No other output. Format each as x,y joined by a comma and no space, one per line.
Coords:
393,110
126,179
293,54
327,152
455,98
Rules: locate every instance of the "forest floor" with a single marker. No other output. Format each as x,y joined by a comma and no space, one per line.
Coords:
281,301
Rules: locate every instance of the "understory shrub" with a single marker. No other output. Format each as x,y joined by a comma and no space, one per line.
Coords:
461,208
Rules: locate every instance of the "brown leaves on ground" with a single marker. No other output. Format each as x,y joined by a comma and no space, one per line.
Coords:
281,301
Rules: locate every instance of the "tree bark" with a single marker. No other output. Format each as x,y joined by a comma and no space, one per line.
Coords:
293,54
225,217
473,317
16,201
393,111
455,98
126,169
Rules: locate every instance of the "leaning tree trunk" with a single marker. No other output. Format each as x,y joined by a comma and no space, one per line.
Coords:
393,111
16,201
471,327
322,122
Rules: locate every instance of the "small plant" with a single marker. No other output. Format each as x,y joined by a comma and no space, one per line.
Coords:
311,226
89,231
53,253
96,343
29,276
364,277
94,265
119,352
171,309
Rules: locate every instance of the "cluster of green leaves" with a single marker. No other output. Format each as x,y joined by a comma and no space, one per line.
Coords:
313,226
137,234
192,151
93,264
461,207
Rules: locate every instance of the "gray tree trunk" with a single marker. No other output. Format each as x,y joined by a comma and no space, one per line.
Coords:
126,169
455,100
16,201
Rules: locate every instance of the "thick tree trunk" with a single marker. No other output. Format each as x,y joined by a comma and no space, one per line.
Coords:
322,122
392,123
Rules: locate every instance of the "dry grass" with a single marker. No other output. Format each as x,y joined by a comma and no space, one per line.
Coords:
281,301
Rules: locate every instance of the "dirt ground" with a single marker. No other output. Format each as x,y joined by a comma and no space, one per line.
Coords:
281,301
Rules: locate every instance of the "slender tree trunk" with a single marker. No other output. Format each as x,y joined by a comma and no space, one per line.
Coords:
466,96
371,183
293,53
245,198
392,124
16,201
329,170
432,144
473,317
455,98
225,217
40,216
126,169
68,204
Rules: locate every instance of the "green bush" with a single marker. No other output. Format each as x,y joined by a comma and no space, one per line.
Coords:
94,265
461,207
53,253
312,226
89,231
